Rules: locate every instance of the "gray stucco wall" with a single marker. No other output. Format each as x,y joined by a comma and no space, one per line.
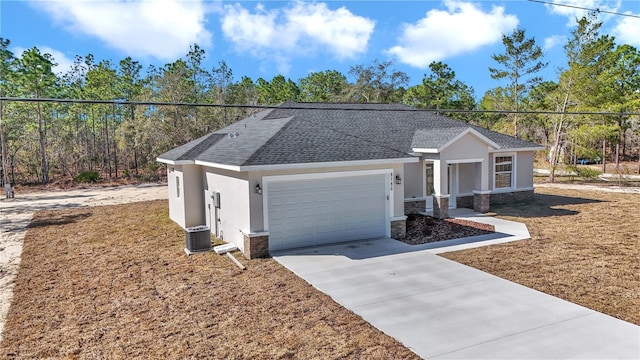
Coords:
468,178
414,180
525,169
193,195
467,147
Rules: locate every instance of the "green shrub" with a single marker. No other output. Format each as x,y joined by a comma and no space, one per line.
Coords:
87,177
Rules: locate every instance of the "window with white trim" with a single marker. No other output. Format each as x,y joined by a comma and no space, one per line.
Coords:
178,186
503,172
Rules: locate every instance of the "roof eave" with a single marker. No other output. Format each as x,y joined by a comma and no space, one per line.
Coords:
425,150
174,162
532,148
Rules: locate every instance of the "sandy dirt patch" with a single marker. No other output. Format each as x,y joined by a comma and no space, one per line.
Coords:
16,214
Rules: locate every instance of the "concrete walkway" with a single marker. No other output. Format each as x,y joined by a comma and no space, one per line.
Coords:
441,309
505,231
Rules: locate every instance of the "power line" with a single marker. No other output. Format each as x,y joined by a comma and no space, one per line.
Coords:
311,106
597,10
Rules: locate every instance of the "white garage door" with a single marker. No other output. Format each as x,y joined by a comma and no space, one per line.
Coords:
321,211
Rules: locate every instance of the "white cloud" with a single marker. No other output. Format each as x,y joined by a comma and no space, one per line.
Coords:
299,30
159,29
248,31
553,41
63,63
574,9
342,32
462,27
627,31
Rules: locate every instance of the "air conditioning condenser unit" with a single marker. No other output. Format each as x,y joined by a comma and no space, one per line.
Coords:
198,238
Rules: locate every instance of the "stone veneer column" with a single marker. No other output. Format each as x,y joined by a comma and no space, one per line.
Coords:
256,246
441,206
481,200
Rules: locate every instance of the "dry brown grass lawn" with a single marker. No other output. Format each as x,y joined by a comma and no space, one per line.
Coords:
114,282
584,248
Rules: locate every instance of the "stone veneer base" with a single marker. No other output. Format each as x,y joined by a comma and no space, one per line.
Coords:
398,229
414,206
256,246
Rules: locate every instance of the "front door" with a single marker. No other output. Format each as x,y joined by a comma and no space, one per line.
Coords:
429,190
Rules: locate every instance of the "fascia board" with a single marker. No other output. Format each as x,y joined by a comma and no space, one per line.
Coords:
308,165
537,148
174,162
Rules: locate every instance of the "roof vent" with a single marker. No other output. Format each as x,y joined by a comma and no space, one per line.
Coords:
234,135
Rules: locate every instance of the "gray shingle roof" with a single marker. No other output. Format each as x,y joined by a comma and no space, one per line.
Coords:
297,133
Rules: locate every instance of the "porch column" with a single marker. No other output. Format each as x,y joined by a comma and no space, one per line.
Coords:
441,189
482,197
440,178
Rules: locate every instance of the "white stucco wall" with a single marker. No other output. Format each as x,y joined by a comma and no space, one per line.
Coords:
176,197
234,202
189,191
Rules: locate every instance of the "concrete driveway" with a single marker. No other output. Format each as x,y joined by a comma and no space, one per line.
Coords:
441,309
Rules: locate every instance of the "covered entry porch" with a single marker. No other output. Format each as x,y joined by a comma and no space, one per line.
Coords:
436,186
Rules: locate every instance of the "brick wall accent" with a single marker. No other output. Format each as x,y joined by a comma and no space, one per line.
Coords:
414,206
441,207
464,202
511,197
399,229
256,246
481,202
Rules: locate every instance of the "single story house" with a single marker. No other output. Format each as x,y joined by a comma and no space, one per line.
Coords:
302,174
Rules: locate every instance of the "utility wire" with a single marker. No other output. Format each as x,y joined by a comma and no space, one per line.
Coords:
314,106
597,10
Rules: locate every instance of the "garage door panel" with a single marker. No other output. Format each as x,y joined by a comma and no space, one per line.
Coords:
311,212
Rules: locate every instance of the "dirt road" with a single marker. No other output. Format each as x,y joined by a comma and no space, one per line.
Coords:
16,214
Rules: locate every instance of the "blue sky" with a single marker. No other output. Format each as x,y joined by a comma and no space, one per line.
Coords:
293,38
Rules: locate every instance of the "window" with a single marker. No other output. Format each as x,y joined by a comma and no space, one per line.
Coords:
177,186
503,172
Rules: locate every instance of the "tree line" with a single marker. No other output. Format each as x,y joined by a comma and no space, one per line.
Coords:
45,140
